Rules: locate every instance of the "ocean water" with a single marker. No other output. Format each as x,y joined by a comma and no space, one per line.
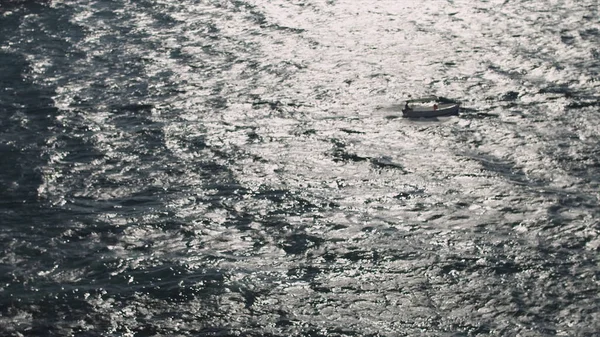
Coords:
241,168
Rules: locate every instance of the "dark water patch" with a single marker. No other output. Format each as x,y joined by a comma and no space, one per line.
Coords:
273,105
361,255
136,108
510,210
309,132
260,18
582,163
300,243
434,217
276,105
253,137
410,194
509,96
343,156
507,169
287,29
349,131
340,154
584,104
26,115
217,102
404,254
196,143
241,221
304,273
419,206
567,39
448,267
392,117
458,217
336,227
557,89
59,314
496,264
387,163
506,268
590,34
181,285
24,5
476,114
20,178
140,129
145,198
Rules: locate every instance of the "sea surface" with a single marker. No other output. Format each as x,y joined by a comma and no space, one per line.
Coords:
241,168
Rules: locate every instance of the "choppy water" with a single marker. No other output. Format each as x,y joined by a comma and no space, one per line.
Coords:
217,168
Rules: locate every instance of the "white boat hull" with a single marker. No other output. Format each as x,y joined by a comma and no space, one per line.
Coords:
429,112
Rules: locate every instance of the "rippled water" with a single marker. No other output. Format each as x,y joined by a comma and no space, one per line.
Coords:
216,168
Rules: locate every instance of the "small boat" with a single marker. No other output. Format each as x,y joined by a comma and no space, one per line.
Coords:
429,107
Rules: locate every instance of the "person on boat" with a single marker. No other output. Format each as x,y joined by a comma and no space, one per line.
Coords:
435,106
406,107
